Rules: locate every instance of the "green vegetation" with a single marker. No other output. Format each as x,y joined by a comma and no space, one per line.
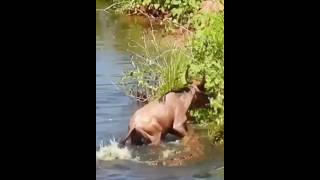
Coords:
208,52
156,70
179,10
161,69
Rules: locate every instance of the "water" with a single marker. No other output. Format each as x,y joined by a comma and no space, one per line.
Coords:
113,110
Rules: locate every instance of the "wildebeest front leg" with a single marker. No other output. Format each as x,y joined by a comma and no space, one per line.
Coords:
179,126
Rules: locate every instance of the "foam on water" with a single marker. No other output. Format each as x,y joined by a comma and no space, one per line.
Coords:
113,151
171,154
174,142
167,153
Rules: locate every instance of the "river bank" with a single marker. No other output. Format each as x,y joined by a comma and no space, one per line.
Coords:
192,34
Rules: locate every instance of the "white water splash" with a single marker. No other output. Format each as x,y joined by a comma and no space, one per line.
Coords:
174,142
167,153
112,151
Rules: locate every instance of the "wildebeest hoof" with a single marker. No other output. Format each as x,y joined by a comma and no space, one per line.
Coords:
121,145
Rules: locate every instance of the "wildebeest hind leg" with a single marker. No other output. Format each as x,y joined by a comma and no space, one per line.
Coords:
148,138
156,139
136,138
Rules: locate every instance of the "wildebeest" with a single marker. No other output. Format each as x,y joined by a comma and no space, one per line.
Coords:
155,120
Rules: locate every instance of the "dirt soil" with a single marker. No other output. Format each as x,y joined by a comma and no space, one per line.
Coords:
191,152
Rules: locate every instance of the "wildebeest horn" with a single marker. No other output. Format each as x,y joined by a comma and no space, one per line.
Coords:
203,81
187,75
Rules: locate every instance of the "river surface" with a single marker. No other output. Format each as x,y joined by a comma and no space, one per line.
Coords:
114,108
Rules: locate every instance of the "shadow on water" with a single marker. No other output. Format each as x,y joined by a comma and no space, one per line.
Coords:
113,108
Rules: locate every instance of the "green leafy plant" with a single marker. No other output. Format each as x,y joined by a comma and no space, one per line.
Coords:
208,54
181,10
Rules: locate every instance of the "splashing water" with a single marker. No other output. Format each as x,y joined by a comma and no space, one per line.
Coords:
176,142
167,153
172,154
112,151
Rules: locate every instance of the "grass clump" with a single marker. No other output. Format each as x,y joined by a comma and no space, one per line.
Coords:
156,70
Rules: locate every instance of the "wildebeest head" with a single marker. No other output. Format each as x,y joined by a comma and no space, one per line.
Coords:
200,98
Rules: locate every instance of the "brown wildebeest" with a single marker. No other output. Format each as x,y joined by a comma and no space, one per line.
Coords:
155,120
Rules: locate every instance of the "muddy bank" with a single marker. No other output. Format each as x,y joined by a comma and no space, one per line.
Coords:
192,149
192,152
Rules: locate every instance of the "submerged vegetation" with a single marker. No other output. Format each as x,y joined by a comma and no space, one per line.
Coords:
158,69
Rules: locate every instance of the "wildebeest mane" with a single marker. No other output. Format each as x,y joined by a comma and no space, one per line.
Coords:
179,90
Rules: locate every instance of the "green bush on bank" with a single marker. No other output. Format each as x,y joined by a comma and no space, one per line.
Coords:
180,10
208,55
